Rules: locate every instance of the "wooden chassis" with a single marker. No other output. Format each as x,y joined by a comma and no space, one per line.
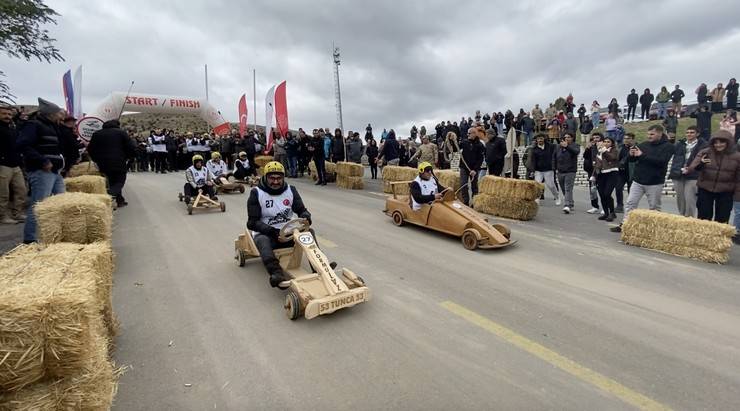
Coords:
451,217
319,292
202,202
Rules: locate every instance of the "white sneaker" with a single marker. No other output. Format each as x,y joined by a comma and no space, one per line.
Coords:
566,210
537,200
593,210
558,201
8,220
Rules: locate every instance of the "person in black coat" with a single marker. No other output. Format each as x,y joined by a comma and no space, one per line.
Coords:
685,184
703,122
646,100
495,153
589,157
632,100
372,157
566,165
110,148
473,152
70,144
316,148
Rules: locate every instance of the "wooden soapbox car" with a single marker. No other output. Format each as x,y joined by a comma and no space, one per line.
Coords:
201,202
449,216
314,290
231,185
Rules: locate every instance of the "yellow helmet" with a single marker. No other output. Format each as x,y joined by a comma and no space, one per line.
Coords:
424,165
274,167
197,157
242,154
215,155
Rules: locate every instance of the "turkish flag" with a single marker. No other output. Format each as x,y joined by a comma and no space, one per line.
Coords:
223,129
243,115
281,109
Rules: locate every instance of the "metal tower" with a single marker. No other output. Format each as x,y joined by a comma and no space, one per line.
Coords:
337,91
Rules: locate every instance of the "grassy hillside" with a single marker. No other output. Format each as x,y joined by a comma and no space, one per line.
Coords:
640,129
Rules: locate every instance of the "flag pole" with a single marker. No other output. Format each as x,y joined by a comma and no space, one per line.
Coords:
206,82
254,102
124,100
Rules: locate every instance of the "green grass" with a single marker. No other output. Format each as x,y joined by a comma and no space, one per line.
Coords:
640,129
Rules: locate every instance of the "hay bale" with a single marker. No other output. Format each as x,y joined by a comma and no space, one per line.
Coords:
517,209
349,169
511,188
397,173
350,183
53,304
74,218
702,240
86,184
86,168
330,169
92,388
448,178
260,161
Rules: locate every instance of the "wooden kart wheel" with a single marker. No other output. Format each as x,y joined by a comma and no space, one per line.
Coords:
190,209
180,196
292,305
503,230
398,218
469,239
240,258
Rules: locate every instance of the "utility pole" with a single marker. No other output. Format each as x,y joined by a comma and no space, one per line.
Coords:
206,82
337,91
254,102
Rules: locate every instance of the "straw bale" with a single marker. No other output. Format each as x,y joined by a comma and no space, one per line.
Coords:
448,178
74,218
401,189
505,207
351,183
397,173
677,235
85,168
262,160
54,300
92,388
350,169
330,169
511,188
86,184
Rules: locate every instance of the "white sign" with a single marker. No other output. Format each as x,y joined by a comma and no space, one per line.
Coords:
87,126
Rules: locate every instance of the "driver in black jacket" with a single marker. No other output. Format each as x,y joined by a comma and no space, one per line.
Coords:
270,206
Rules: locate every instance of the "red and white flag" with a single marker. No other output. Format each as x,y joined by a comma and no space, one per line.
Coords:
269,113
281,109
243,115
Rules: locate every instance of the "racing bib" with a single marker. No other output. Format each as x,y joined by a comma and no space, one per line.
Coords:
276,209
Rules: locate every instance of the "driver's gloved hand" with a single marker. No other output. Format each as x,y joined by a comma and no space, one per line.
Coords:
307,216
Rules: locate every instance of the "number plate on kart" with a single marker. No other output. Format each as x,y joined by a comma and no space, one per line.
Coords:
342,301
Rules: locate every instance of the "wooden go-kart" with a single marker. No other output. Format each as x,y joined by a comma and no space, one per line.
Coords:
449,216
229,186
316,289
201,202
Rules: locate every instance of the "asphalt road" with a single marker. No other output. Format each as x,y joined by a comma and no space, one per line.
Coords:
568,318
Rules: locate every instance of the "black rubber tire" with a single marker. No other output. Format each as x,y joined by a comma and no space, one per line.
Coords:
241,189
180,196
223,207
398,218
241,259
190,209
292,305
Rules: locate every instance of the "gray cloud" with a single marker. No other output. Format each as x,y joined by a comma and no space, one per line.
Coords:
403,62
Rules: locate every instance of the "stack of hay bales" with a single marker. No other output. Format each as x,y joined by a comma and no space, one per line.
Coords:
396,173
349,175
86,168
86,184
329,167
55,328
677,235
448,178
508,197
75,218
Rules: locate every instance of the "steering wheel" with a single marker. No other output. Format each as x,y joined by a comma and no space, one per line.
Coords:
444,194
286,232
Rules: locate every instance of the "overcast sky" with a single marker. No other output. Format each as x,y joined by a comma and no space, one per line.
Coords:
403,62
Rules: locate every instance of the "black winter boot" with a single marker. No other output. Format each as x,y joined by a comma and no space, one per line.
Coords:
277,275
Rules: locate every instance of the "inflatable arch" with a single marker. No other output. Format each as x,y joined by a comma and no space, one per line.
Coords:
112,106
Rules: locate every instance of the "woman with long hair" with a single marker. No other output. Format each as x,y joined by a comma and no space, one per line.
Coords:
595,116
606,172
372,157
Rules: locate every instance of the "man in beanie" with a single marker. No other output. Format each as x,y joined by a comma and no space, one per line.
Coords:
42,154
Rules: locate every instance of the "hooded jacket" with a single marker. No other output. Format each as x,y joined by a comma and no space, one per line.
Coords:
39,144
542,158
632,99
646,99
722,173
566,159
473,153
110,147
389,151
651,166
254,208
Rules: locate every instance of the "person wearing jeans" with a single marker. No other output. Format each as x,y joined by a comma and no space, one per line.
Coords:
685,183
736,238
11,176
566,164
651,158
43,184
719,174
